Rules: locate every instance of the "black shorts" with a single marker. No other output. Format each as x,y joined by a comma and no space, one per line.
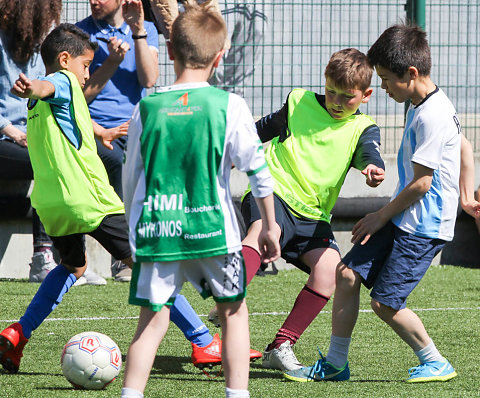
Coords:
112,234
299,234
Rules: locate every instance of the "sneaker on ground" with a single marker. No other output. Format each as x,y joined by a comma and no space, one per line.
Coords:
211,355
213,317
80,281
282,358
320,371
42,263
12,342
93,279
431,371
121,272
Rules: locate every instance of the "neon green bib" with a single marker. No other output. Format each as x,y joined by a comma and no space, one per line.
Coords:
309,167
71,191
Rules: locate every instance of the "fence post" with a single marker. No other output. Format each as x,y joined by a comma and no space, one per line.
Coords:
416,12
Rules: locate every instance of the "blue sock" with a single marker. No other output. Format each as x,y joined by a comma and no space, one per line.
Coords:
184,316
48,296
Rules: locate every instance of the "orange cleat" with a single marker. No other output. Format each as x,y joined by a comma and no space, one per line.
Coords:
211,355
12,342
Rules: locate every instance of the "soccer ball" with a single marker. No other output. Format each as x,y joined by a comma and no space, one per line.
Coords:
91,360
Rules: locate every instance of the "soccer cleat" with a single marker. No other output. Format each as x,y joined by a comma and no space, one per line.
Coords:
281,358
320,371
431,371
121,272
42,263
211,355
12,342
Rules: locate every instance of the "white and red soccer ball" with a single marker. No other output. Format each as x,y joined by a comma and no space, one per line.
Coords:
91,360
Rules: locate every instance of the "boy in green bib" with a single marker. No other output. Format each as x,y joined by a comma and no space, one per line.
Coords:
182,143
315,140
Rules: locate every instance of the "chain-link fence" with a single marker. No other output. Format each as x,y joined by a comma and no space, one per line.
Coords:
279,45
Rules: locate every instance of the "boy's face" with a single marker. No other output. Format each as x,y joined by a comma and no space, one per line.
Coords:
78,65
342,103
398,88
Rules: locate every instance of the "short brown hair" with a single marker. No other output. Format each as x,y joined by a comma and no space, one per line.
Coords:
198,34
349,68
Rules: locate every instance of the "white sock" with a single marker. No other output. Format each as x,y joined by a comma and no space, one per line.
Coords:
429,354
338,351
131,393
231,393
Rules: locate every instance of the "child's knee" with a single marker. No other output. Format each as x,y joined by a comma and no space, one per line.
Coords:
346,278
383,311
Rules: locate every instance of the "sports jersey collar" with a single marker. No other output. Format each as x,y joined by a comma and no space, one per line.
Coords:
183,86
428,96
106,29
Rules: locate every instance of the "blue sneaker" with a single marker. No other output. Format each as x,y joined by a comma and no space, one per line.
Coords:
431,371
320,371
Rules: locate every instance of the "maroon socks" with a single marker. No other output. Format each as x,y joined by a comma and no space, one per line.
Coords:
307,306
252,261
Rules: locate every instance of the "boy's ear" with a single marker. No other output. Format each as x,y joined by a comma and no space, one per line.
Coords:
63,59
171,56
413,72
218,58
367,94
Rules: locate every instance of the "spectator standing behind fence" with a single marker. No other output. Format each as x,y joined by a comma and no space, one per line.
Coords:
23,25
125,63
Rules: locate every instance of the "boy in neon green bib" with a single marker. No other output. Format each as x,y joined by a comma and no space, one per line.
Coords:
315,140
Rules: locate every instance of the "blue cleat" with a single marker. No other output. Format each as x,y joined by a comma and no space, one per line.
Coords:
431,371
320,371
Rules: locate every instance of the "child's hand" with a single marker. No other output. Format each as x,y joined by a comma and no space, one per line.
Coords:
375,175
269,246
22,87
117,49
106,136
366,227
472,208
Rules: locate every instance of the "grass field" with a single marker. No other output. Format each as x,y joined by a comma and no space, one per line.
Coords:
447,300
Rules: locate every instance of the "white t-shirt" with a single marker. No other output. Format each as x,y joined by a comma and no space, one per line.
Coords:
432,138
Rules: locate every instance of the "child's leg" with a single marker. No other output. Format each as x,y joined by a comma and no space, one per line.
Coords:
346,304
312,298
410,329
50,293
184,316
236,343
151,329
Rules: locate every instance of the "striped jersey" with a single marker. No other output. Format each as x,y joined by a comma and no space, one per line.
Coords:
182,143
431,138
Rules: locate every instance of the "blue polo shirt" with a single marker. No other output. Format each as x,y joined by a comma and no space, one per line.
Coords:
114,104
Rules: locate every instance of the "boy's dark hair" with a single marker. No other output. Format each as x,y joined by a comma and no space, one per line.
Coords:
65,37
198,34
400,47
349,69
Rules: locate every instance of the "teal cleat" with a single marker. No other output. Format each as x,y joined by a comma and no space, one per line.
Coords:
431,371
320,371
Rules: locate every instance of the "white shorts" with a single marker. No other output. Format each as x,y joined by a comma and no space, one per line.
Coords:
155,284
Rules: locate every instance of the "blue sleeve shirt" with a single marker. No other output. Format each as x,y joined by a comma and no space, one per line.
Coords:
114,104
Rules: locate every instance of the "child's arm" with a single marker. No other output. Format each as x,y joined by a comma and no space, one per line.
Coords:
367,156
267,240
273,125
106,136
467,180
35,89
371,223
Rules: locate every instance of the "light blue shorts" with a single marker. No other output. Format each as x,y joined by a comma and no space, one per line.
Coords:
392,263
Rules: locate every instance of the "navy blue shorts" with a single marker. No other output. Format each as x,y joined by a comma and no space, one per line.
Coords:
299,234
392,262
112,234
